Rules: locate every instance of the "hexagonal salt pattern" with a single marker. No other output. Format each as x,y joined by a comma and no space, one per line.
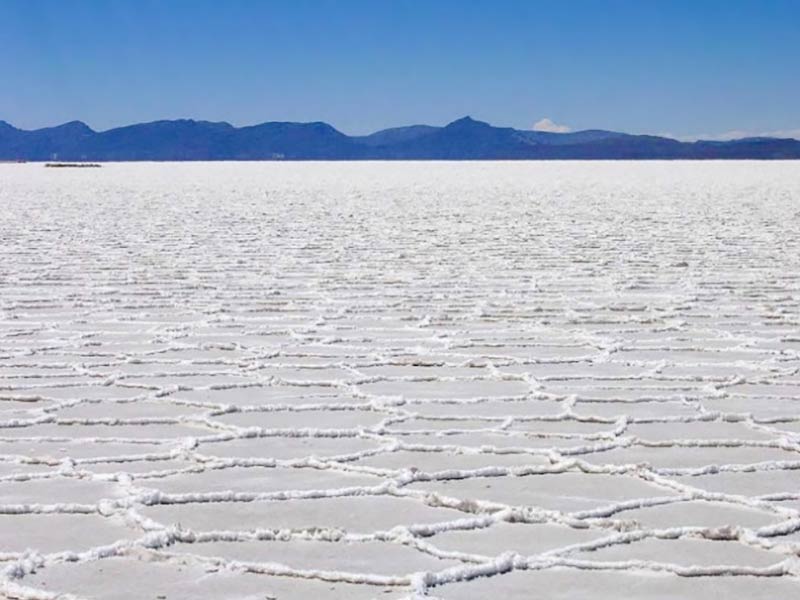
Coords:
454,381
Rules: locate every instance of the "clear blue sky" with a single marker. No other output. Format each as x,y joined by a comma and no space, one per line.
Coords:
678,66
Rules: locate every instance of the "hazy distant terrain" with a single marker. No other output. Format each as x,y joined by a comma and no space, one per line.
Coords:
356,381
463,139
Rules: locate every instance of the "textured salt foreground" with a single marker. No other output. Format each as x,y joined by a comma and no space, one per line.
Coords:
359,381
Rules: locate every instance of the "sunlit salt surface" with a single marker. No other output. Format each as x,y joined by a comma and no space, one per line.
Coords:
404,380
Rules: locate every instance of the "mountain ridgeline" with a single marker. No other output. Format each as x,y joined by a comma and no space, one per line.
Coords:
464,139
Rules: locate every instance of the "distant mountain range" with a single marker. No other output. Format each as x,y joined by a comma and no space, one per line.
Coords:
464,139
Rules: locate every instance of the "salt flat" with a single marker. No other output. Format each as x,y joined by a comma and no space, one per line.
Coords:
400,380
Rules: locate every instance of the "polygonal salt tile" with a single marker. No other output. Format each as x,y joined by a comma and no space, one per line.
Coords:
373,558
521,538
12,468
569,584
210,354
47,533
267,395
432,462
132,372
57,490
110,327
688,457
719,372
189,381
637,410
282,361
259,479
698,513
134,468
43,363
610,394
696,430
464,388
489,440
252,343
747,483
144,431
792,428
355,514
532,353
627,383
47,378
601,370
288,448
569,427
57,451
387,337
24,368
758,407
488,408
421,371
691,357
77,392
333,352
291,374
421,424
306,419
16,410
111,350
567,492
131,579
769,390
138,409
686,552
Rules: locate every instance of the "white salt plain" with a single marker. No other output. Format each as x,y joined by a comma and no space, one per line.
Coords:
401,380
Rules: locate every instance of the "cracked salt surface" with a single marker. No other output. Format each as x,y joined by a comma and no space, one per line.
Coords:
386,381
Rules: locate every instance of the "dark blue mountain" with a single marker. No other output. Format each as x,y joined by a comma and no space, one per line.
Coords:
293,141
67,139
161,140
464,139
395,135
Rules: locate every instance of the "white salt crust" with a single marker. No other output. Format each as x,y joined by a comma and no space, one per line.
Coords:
400,380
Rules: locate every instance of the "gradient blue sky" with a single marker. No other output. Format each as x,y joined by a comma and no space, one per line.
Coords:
671,66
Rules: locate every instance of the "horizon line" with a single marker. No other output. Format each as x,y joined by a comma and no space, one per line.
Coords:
729,136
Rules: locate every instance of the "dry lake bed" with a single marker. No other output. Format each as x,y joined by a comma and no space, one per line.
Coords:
350,381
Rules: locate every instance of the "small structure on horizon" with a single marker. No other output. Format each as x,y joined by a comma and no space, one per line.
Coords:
72,165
